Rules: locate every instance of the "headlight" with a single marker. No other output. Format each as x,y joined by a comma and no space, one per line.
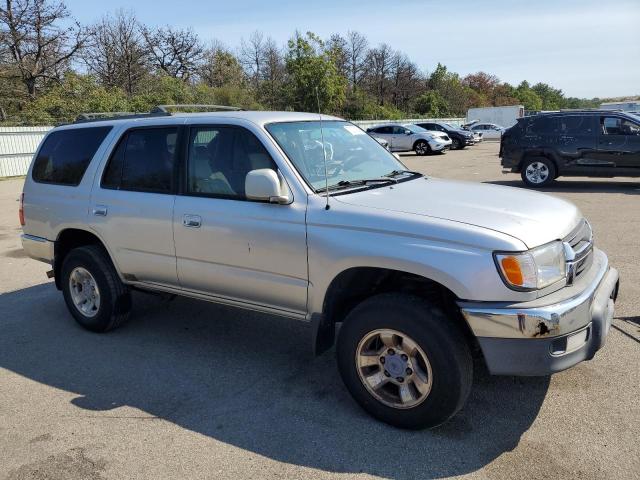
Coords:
535,269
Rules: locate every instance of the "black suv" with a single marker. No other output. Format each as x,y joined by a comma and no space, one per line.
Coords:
589,143
459,138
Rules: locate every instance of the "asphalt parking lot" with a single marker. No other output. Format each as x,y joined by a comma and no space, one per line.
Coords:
194,390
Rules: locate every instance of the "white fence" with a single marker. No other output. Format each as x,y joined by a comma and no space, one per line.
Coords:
370,123
17,146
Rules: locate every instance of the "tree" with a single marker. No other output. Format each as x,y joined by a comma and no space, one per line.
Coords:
482,82
116,52
39,47
251,56
273,75
552,98
527,97
431,104
309,68
356,57
176,52
337,51
221,68
406,81
379,64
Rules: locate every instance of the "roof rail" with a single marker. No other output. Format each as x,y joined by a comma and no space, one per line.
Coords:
99,116
212,108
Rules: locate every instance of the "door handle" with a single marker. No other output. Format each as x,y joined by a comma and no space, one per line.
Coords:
100,210
192,221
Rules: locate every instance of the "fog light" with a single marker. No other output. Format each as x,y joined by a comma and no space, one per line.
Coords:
571,343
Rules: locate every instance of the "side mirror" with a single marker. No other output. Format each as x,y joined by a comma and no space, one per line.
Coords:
265,185
407,132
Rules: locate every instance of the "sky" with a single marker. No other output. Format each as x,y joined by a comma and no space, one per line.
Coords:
587,48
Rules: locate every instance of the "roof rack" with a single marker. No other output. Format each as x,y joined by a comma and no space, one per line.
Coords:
212,108
159,111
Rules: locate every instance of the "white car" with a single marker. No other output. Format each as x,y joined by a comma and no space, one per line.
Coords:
407,137
487,131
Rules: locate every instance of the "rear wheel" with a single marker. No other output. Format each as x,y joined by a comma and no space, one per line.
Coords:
92,290
404,362
422,147
538,172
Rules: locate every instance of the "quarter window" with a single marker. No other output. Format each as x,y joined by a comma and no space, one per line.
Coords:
143,161
220,159
66,154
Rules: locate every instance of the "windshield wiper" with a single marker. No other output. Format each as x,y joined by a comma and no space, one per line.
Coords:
395,173
357,183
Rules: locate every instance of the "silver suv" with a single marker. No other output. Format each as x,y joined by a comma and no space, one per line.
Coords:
316,221
408,137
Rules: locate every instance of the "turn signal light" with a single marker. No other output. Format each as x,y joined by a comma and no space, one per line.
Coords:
511,269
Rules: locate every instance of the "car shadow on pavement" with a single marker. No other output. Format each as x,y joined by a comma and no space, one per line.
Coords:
578,186
249,380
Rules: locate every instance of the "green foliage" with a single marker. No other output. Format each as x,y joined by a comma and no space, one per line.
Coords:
431,104
310,67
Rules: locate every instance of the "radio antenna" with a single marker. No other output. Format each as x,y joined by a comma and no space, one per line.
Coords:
324,153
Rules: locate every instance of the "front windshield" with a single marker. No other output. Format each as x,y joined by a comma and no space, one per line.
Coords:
415,128
351,154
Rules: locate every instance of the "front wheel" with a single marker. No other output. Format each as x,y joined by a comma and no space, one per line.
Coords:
456,144
404,362
538,172
421,147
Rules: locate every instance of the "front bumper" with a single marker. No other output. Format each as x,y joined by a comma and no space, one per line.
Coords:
552,333
439,146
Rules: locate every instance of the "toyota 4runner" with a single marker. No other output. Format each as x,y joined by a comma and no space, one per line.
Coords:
310,218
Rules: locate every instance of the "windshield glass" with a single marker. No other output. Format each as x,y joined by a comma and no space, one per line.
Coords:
351,153
415,128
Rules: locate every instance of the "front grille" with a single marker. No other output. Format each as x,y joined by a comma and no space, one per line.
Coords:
581,242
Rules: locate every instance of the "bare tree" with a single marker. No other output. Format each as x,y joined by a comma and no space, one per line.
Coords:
356,57
32,37
337,48
273,75
116,53
220,67
406,81
251,56
378,65
176,52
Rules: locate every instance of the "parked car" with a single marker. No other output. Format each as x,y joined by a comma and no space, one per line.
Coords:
405,138
231,207
382,142
459,138
589,143
487,131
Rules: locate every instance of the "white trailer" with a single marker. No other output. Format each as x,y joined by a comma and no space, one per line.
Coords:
502,116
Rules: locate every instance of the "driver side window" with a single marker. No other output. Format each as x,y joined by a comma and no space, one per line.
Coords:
219,159
618,126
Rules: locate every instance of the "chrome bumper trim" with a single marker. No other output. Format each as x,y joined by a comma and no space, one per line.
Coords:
38,248
536,320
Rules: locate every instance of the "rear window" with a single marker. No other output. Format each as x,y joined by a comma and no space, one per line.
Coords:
66,154
143,161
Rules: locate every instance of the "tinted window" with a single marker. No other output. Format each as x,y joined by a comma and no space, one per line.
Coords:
575,125
66,154
384,130
220,158
399,130
540,125
143,161
618,126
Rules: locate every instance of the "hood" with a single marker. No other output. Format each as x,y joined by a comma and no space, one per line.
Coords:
532,217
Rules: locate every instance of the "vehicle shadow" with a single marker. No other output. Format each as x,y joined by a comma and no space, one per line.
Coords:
579,186
249,380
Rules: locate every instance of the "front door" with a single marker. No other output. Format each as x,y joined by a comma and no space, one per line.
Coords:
401,140
230,247
132,205
619,142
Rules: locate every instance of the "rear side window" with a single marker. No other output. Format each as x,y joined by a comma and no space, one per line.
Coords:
66,154
143,161
542,125
576,125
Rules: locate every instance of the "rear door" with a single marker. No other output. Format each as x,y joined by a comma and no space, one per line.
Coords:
386,133
131,206
619,141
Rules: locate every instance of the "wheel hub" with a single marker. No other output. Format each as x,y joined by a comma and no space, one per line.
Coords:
395,365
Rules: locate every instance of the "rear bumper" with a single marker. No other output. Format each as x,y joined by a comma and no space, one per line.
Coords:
536,339
38,248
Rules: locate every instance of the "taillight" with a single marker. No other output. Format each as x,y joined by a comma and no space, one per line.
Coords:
21,210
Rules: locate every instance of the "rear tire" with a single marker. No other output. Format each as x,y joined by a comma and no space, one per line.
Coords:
92,289
537,172
421,147
431,390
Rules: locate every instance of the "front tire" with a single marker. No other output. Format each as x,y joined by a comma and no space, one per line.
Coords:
456,144
404,362
421,147
538,172
92,290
